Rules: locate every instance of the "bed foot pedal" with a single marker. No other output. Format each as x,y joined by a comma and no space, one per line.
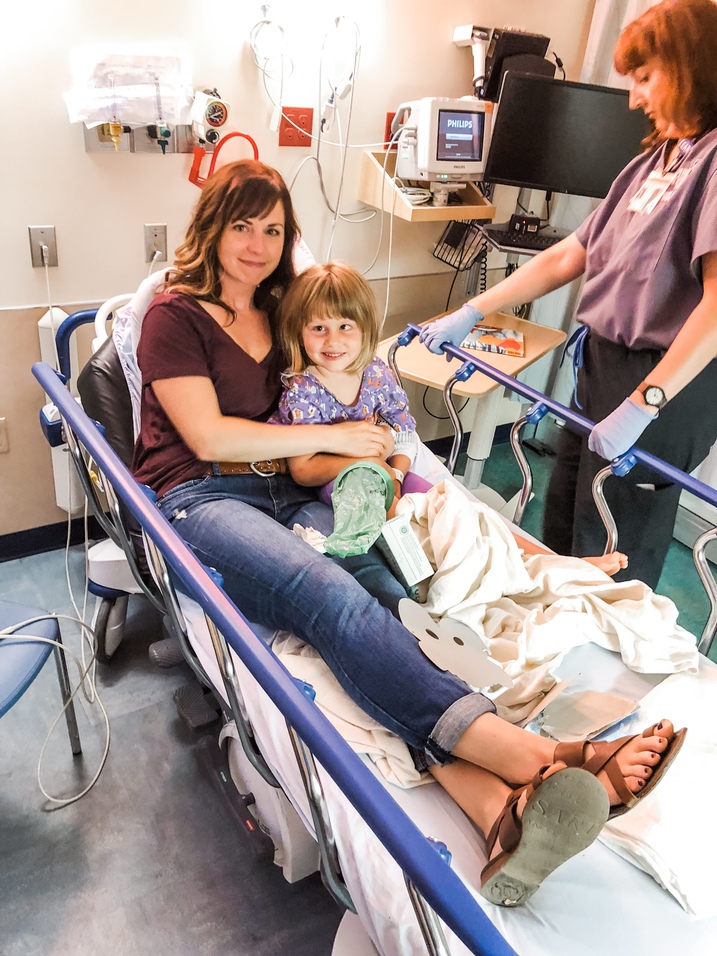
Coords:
166,653
194,708
214,760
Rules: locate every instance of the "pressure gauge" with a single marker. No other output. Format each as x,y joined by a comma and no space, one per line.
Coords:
209,113
216,113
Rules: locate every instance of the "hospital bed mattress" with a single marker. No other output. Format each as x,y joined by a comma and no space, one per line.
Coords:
595,903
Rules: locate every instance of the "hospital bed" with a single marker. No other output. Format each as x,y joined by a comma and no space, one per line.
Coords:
372,859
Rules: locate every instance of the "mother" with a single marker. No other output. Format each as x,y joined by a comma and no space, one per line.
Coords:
210,378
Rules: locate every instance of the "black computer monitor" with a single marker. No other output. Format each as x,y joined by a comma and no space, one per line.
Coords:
562,136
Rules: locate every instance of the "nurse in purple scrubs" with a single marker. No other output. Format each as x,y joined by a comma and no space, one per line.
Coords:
649,301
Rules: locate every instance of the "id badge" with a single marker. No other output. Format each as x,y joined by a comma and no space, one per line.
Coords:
651,192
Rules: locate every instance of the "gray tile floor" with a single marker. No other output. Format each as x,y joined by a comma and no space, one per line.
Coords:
149,862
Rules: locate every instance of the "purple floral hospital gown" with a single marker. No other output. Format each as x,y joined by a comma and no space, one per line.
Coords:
306,401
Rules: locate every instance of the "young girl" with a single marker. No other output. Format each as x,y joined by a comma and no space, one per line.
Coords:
330,330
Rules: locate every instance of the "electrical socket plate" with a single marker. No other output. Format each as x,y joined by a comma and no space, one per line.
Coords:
155,239
42,236
303,117
4,441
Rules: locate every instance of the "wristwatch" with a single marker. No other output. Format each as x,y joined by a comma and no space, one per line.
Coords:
653,395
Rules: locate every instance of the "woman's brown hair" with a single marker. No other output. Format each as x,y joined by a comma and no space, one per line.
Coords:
682,36
246,189
330,291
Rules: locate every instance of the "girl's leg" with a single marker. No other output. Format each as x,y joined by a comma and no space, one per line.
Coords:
370,570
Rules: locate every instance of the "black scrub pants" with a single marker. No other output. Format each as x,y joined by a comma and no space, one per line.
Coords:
643,503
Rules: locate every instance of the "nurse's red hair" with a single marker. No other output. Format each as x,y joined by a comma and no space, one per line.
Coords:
682,36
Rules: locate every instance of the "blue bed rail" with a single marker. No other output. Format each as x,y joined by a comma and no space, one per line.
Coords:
441,887
63,335
622,464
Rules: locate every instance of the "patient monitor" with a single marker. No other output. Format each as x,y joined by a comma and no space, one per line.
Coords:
444,141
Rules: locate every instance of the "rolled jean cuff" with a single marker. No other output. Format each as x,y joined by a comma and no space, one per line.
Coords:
453,724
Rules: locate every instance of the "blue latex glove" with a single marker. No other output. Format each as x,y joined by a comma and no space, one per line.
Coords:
620,430
451,328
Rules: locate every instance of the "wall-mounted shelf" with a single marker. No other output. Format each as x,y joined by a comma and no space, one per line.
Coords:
374,181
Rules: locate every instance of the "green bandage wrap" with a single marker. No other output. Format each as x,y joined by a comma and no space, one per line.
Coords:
362,494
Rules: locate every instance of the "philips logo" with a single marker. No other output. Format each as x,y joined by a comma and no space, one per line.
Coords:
459,124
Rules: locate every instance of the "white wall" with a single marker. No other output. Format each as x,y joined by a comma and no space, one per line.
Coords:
99,202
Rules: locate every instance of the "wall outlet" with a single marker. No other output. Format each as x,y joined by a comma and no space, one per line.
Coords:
42,236
4,440
303,117
155,240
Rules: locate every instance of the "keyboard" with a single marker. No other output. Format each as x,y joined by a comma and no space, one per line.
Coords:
499,235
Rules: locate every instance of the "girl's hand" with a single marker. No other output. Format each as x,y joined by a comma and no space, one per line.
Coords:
359,440
388,441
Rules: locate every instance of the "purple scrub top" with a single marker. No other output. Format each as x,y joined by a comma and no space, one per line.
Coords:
643,276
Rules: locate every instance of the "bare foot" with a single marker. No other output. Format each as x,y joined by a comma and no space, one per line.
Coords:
636,759
609,563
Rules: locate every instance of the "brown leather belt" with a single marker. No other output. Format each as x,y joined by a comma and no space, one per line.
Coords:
266,468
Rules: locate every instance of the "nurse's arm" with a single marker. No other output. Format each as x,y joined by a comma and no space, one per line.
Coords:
549,270
192,406
696,343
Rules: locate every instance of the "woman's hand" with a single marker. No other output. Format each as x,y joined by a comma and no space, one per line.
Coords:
359,440
619,431
451,329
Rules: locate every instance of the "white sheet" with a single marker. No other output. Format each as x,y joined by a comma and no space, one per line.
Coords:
680,857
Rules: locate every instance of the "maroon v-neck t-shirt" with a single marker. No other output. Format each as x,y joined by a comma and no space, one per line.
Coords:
179,338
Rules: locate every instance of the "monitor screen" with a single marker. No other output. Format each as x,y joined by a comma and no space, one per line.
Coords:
460,136
562,136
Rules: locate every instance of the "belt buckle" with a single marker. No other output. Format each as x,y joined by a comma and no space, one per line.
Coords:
262,474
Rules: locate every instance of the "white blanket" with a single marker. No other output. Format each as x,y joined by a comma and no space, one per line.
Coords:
363,733
531,609
671,834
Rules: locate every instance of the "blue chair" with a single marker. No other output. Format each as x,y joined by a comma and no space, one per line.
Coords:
22,661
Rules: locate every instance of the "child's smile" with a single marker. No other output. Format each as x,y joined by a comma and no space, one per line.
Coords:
332,345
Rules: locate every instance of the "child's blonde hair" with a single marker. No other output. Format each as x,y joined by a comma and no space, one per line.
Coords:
330,291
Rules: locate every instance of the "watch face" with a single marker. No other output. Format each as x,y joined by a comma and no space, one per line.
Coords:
654,396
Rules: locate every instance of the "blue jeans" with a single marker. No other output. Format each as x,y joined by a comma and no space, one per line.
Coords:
239,524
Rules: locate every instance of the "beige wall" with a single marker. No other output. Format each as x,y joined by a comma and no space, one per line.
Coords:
99,202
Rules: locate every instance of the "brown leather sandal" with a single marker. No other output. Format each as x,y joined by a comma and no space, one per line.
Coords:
564,813
574,755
